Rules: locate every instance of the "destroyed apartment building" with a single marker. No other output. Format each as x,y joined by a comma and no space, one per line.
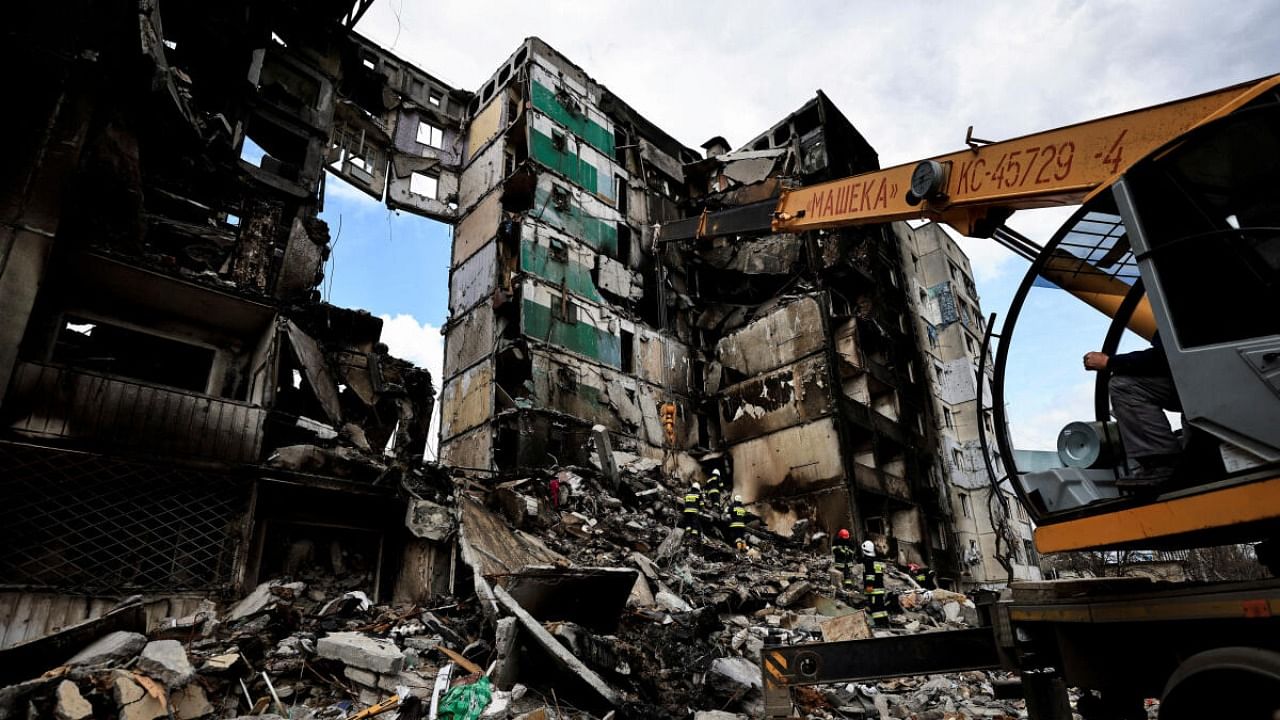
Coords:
185,419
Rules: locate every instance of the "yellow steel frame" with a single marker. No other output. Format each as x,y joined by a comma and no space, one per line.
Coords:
1056,167
1218,508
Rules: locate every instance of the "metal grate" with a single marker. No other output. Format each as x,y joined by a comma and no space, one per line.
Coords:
79,522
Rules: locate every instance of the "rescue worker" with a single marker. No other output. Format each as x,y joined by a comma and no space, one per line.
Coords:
715,486
737,523
873,585
691,518
845,558
924,576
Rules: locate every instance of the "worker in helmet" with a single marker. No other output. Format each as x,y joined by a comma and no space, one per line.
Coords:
715,486
924,576
873,585
845,557
691,517
737,523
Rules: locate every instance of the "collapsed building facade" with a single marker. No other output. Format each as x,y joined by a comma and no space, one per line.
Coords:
182,415
181,412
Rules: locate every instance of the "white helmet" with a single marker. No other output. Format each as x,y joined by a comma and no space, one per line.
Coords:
696,486
737,498
868,548
715,473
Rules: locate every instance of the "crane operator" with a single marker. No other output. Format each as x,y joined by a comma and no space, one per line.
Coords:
1142,388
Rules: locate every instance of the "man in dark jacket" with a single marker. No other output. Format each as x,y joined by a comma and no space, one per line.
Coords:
1142,389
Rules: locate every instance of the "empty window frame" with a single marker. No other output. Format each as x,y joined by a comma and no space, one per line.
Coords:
435,99
965,506
427,186
430,135
115,350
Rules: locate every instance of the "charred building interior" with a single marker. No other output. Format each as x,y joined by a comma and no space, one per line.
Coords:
183,415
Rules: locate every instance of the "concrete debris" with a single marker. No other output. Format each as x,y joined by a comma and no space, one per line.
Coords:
166,661
134,702
190,703
361,651
71,705
114,648
263,598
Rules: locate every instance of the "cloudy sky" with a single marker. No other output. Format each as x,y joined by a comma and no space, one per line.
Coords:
910,75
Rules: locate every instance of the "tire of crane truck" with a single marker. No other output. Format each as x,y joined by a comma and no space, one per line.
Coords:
1240,683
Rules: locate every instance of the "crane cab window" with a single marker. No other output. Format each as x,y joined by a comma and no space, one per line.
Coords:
1210,211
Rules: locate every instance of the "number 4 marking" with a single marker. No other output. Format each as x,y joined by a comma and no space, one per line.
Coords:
1115,155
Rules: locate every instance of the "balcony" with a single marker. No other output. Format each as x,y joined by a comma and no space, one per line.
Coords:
84,409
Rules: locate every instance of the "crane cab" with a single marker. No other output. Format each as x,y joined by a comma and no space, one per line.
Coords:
1185,243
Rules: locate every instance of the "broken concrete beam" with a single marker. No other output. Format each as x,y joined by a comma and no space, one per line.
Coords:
114,648
166,661
361,677
558,651
361,651
604,452
846,627
737,679
71,705
505,639
133,701
641,596
794,592
717,715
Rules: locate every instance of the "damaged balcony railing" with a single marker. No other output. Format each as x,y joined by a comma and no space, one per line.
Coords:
92,410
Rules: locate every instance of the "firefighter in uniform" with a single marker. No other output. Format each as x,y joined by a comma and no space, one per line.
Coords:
873,585
924,576
691,518
715,485
845,558
737,523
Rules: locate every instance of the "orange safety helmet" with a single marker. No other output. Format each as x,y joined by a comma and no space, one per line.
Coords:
844,534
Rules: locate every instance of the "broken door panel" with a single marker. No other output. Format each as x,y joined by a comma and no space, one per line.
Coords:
786,334
467,400
793,395
477,227
474,280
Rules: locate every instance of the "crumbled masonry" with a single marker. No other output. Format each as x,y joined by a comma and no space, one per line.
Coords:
216,497
681,639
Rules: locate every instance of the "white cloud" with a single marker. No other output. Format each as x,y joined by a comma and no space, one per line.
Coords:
1035,425
423,345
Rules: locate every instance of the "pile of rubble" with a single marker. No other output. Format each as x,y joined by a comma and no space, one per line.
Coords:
588,605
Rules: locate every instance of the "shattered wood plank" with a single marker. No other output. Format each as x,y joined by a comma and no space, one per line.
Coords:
558,651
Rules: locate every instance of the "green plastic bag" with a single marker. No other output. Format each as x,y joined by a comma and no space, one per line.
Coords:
466,702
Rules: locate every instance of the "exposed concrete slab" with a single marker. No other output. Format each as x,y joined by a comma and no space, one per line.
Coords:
558,651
